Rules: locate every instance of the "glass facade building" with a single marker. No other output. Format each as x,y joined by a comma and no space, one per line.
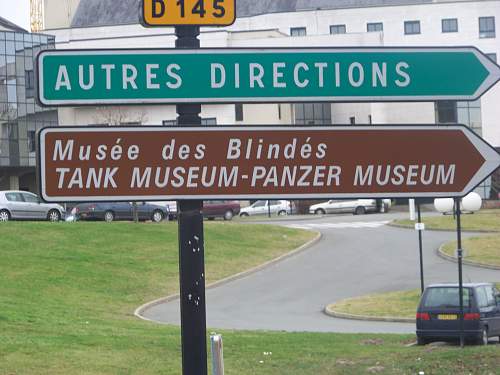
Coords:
469,114
20,116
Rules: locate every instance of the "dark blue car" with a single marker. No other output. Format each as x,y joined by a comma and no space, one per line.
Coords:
120,211
438,314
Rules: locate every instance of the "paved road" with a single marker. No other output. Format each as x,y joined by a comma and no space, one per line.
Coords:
357,255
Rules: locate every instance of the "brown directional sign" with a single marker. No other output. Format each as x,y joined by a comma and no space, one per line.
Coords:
157,163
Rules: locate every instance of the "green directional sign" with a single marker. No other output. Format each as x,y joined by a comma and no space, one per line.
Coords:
70,77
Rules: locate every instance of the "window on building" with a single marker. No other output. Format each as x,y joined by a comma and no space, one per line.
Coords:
352,120
211,121
446,112
370,119
492,56
374,26
204,121
31,141
337,29
238,112
486,27
313,114
298,31
449,25
467,113
412,27
169,123
30,83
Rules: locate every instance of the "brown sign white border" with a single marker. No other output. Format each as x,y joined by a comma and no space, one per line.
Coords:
490,155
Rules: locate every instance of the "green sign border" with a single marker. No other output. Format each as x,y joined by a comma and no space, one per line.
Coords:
491,79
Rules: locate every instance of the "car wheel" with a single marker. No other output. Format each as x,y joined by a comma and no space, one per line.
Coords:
157,216
483,340
54,216
228,215
360,210
421,341
4,215
109,216
319,211
244,214
282,213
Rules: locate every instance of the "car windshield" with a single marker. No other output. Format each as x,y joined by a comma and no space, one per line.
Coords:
446,297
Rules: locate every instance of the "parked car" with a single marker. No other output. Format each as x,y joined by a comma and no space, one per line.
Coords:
357,206
24,205
171,206
119,211
263,207
223,209
438,314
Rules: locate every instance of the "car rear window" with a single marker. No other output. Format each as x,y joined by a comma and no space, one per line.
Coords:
14,197
446,297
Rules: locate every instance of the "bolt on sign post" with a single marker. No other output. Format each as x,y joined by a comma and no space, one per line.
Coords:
188,12
99,77
275,162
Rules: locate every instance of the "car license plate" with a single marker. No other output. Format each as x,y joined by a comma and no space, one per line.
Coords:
447,317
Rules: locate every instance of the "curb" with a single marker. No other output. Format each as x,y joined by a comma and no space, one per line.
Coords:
443,255
394,225
278,221
138,312
336,314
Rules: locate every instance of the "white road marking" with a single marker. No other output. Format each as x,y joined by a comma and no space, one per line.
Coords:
347,225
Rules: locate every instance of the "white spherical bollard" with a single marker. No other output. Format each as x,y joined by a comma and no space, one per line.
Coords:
444,205
471,202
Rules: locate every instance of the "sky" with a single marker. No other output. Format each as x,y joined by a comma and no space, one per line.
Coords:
16,11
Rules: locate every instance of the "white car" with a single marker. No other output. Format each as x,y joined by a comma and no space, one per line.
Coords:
357,207
24,205
280,207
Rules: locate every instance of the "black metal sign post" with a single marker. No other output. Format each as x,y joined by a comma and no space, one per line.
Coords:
420,229
460,281
191,247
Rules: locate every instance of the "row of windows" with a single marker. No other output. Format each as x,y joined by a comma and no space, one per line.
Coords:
211,121
467,113
30,141
448,25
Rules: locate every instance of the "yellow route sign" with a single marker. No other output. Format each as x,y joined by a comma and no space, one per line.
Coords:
188,12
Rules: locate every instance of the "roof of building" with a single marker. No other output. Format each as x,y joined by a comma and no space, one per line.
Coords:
11,26
111,12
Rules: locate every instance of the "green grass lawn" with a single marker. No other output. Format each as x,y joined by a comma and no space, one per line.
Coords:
485,220
68,292
485,249
401,304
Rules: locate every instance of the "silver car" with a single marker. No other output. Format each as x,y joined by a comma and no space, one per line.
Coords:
25,205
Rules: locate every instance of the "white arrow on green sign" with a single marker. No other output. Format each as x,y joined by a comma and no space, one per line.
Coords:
89,77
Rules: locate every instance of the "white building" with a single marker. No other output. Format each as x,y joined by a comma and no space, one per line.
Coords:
264,23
